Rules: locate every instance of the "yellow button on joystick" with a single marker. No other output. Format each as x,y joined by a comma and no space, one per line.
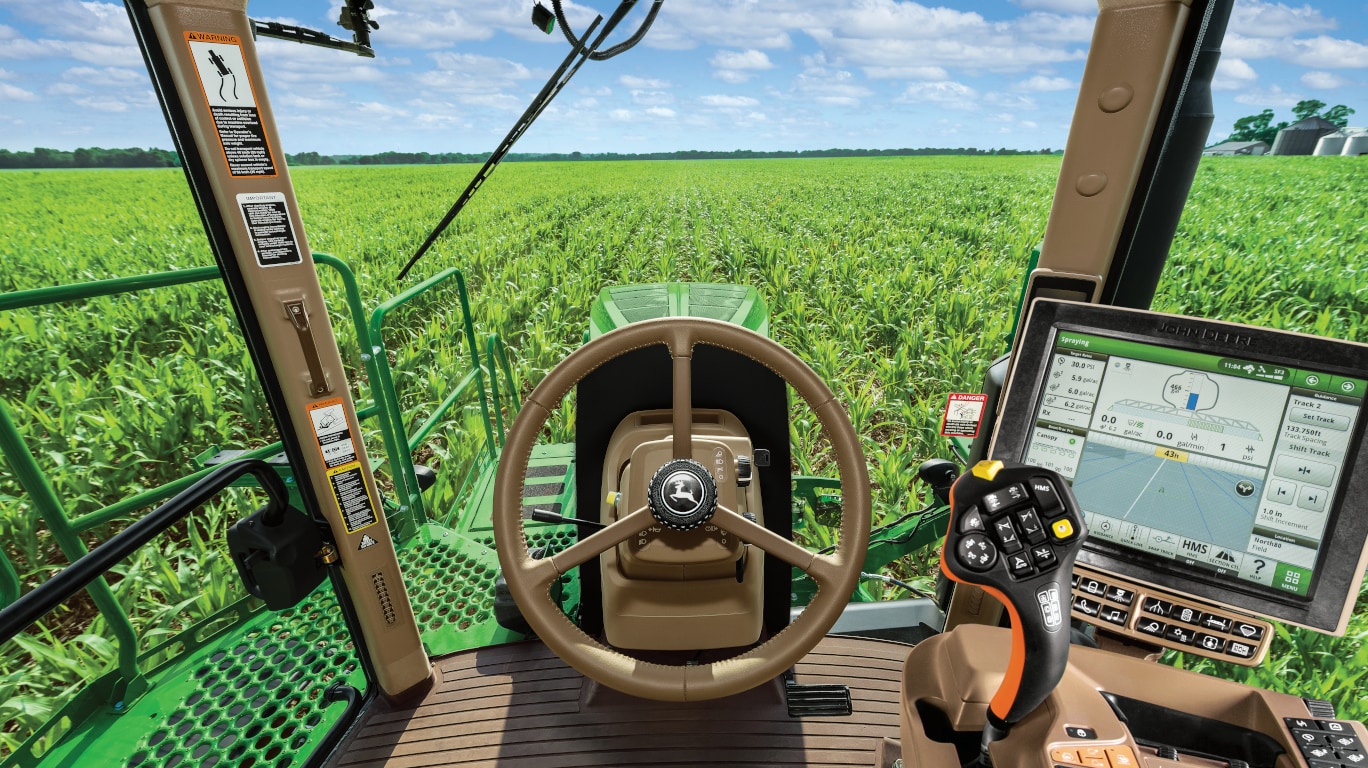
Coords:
1062,528
986,469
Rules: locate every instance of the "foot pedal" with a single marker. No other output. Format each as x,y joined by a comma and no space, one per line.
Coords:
827,700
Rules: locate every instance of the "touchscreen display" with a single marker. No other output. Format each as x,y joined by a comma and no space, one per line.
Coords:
1225,465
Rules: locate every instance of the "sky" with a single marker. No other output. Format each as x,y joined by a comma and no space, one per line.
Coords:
454,75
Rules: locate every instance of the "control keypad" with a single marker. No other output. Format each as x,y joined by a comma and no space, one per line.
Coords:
1094,756
1167,620
1327,743
1022,529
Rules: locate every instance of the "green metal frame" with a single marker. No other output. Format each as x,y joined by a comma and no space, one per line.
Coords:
116,691
398,445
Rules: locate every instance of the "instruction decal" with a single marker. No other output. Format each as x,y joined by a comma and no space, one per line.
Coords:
963,415
267,216
227,87
349,488
334,435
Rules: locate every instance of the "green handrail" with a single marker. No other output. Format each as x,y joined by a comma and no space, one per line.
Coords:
60,293
156,495
501,353
490,343
50,508
391,418
421,434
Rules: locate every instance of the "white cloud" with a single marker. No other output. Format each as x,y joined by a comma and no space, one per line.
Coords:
141,102
15,93
1054,28
1233,74
376,109
1042,84
308,66
622,115
886,34
729,24
1330,53
93,21
830,87
1259,19
1321,52
907,73
652,98
750,59
643,83
1272,96
946,93
469,73
660,112
1081,7
1009,101
1324,81
435,24
739,66
116,77
731,102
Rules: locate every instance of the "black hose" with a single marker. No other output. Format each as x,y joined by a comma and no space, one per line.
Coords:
625,45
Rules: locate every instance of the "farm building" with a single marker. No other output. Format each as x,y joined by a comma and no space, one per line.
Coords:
1237,148
1349,142
1300,137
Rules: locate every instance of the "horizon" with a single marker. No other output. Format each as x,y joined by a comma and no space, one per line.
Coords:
710,76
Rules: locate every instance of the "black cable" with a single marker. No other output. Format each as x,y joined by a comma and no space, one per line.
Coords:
609,53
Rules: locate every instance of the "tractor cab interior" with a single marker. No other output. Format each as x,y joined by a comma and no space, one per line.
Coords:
637,595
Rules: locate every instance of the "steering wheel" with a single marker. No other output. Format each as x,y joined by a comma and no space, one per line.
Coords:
530,580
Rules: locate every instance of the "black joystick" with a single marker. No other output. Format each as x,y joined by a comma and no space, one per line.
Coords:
1014,530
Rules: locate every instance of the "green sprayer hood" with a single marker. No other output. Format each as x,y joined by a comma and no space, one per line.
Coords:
619,305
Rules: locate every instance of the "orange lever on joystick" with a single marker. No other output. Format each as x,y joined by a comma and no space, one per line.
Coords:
1014,530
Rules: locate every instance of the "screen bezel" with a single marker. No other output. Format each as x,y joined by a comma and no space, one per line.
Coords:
1344,547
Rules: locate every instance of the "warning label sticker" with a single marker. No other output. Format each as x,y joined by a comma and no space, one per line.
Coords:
349,487
228,91
963,415
268,223
366,542
334,434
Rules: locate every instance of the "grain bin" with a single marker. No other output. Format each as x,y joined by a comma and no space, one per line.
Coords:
1330,144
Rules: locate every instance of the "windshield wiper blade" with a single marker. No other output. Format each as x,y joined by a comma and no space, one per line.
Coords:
567,69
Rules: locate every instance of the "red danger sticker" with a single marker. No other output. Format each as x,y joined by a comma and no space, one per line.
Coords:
963,415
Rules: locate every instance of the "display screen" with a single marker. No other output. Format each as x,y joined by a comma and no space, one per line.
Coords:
1224,465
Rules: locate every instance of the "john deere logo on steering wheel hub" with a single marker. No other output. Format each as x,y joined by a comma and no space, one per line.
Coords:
682,495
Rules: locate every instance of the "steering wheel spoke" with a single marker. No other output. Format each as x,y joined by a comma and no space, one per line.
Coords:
681,356
603,540
821,569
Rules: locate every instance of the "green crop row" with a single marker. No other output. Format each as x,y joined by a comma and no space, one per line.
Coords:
895,278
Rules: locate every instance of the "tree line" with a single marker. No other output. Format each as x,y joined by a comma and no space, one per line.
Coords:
91,157
96,157
1261,127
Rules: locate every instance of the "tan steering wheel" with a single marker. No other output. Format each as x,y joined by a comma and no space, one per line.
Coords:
530,580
